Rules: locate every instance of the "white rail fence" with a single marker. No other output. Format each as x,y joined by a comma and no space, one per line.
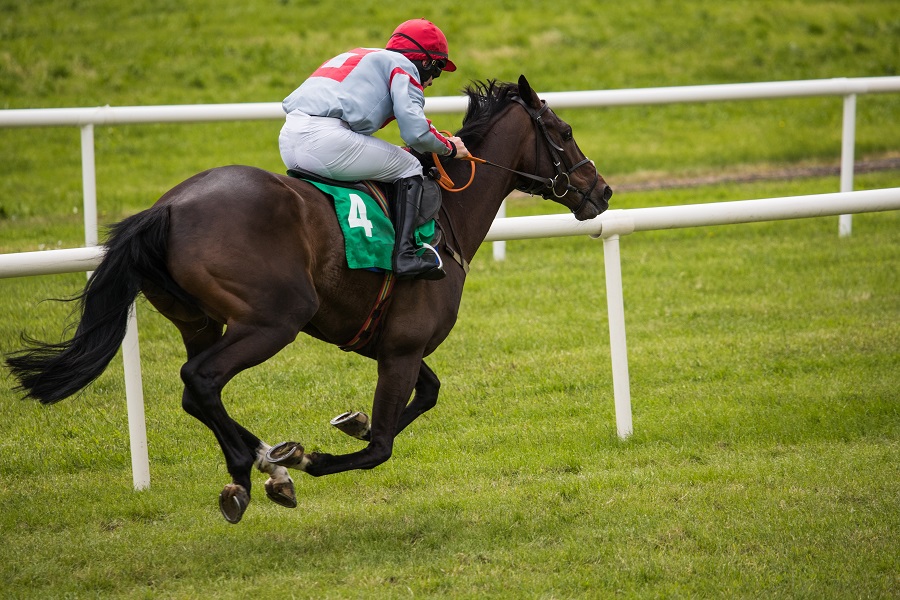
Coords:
609,226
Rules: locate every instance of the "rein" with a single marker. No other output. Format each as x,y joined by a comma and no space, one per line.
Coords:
544,186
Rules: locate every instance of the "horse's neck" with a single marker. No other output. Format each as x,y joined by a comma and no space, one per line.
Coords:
473,211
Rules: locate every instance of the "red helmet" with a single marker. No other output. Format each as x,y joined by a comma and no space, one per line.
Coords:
421,39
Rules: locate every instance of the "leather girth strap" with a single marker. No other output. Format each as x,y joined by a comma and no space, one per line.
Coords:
370,327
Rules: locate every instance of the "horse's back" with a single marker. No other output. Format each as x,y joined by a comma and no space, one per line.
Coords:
240,237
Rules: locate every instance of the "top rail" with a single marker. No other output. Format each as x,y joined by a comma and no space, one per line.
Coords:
612,222
630,220
121,115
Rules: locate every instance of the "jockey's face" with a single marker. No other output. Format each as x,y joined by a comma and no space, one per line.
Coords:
435,72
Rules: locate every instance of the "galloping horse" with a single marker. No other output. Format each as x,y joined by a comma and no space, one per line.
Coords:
241,260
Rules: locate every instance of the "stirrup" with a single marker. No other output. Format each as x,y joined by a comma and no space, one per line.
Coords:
434,271
440,261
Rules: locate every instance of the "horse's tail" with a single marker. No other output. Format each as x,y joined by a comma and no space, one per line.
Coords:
135,250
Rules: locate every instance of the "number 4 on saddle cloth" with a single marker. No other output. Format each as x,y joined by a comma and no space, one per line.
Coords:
362,209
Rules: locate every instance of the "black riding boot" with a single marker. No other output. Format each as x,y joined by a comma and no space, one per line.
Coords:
407,202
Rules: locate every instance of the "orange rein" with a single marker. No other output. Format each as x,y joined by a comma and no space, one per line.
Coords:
444,180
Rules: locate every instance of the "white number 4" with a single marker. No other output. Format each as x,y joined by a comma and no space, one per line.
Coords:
357,216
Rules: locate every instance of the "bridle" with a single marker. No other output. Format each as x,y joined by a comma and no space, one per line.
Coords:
546,186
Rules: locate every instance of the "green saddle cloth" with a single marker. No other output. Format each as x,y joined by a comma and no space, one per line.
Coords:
368,231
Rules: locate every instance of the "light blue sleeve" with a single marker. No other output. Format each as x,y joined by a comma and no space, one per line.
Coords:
415,128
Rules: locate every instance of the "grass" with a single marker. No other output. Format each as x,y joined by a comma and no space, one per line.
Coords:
763,357
764,460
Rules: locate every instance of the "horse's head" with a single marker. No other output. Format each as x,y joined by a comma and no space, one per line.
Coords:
563,173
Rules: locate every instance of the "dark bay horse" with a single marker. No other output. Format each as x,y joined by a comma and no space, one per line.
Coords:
242,260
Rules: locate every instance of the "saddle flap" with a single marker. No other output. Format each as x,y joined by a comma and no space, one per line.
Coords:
366,227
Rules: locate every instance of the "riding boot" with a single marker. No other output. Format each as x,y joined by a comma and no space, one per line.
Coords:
406,263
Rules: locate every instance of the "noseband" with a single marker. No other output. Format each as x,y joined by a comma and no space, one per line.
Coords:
546,186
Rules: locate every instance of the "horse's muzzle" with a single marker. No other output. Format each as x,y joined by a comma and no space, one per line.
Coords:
597,203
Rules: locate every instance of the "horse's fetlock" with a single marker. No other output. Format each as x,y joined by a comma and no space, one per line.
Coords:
240,473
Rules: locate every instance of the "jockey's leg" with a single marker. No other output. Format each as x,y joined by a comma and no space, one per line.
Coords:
326,147
406,263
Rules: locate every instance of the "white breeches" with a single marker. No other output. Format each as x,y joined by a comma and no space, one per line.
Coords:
327,147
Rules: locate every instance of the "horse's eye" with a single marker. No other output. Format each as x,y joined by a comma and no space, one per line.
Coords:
567,135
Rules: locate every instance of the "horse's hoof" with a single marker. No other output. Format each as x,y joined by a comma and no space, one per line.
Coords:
233,501
286,454
354,424
281,492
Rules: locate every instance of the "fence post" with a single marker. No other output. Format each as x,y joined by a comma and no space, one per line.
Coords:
134,398
131,354
499,247
616,308
848,143
89,185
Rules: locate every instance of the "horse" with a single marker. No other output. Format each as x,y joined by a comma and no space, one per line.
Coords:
242,260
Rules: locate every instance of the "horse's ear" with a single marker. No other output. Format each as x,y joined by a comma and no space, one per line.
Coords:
527,94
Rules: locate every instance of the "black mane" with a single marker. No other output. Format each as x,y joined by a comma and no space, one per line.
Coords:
486,100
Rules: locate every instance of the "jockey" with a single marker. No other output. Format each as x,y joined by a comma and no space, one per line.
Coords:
331,118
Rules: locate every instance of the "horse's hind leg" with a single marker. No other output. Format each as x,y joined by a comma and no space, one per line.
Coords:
198,336
205,374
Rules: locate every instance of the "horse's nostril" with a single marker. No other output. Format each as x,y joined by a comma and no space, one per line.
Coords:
607,193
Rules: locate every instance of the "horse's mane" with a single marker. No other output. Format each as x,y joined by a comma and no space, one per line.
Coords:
486,100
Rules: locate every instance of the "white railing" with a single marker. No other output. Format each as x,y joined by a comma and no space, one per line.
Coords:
609,226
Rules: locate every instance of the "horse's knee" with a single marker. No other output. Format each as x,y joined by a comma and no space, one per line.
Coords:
428,390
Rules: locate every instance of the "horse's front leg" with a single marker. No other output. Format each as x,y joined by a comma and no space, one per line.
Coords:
397,376
356,424
427,388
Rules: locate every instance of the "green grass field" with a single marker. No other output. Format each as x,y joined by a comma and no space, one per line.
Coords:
763,358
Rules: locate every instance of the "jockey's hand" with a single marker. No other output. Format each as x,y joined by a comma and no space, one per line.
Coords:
461,150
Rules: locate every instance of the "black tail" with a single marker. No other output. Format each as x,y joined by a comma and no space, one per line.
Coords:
135,250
